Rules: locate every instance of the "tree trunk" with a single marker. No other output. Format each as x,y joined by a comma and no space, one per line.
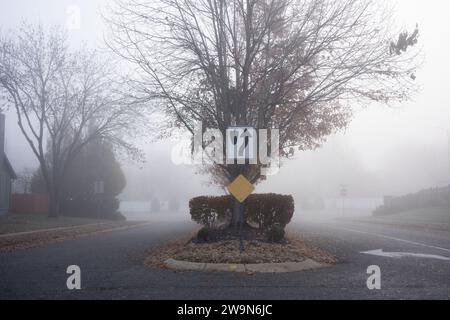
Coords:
54,210
238,209
238,215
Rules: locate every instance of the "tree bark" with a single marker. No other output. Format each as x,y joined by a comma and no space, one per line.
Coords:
236,216
54,205
238,207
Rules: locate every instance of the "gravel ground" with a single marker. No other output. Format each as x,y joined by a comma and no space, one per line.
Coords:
296,249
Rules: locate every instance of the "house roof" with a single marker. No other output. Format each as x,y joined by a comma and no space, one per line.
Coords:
9,167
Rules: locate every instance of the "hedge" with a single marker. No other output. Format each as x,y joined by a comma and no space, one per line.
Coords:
266,210
100,207
210,211
263,210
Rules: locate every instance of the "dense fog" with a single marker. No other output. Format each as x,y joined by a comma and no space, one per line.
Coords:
386,150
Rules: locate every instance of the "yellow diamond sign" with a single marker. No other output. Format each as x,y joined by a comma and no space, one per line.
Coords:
241,188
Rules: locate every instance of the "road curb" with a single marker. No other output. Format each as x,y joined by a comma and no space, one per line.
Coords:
285,267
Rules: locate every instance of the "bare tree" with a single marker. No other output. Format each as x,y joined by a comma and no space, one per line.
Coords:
63,101
287,64
293,65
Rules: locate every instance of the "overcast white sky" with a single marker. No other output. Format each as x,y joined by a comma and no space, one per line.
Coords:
385,140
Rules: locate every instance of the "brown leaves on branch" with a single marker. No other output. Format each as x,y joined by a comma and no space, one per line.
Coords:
294,65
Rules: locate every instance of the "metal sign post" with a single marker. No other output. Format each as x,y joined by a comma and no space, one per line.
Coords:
241,147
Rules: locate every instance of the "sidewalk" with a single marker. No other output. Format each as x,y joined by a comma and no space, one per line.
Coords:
30,239
49,230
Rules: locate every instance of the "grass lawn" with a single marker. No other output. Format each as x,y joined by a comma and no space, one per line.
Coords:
428,214
434,218
12,223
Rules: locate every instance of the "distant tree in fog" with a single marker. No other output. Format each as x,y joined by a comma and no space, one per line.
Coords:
58,95
93,164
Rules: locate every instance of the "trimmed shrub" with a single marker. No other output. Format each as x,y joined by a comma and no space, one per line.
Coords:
275,233
266,210
210,211
262,210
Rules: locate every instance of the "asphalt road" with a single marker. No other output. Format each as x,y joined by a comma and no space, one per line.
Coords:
111,267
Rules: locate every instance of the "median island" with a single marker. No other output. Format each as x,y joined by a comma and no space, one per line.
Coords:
259,244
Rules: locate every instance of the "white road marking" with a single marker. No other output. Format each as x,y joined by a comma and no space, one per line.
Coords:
398,255
392,238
